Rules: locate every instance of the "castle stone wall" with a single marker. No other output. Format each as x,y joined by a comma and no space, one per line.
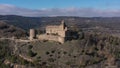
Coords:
52,38
32,34
53,32
48,37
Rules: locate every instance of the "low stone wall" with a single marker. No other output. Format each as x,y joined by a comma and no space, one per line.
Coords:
48,37
111,67
51,37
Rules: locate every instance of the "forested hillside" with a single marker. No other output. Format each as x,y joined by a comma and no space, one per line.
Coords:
7,30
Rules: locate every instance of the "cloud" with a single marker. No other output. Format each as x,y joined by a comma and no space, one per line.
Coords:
6,9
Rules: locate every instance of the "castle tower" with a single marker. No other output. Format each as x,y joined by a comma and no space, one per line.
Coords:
62,26
32,34
63,29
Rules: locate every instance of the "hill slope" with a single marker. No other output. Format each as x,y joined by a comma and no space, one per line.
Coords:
7,30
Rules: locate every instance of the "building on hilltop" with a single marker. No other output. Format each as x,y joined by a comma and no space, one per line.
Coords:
59,30
57,33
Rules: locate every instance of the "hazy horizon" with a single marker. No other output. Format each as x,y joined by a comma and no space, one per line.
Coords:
51,8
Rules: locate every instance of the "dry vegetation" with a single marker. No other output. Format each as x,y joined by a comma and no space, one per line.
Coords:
89,50
7,30
86,50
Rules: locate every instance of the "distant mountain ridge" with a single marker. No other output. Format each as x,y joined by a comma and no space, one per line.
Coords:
36,22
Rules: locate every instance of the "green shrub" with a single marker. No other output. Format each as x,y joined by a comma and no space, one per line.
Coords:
30,47
31,53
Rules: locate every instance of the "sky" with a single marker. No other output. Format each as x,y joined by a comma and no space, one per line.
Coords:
82,8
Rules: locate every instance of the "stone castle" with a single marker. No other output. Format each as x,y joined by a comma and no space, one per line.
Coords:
58,33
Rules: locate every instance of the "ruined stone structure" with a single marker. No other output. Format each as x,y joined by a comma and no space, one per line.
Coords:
32,34
57,33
